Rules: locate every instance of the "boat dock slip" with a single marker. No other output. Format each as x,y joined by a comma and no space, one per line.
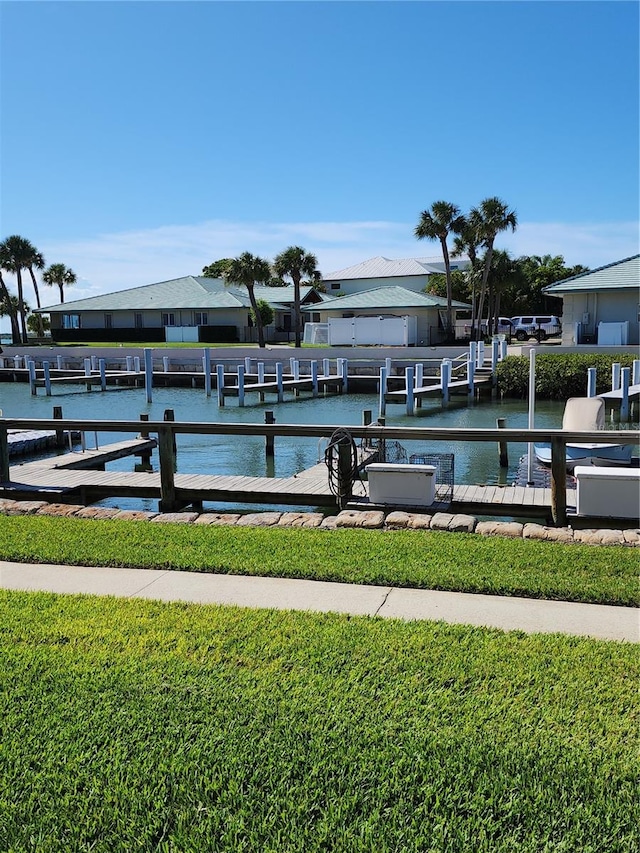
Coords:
174,490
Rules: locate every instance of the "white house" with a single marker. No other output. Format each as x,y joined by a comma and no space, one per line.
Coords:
601,306
409,273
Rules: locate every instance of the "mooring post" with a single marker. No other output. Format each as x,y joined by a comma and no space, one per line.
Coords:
144,416
625,375
343,372
503,452
87,371
419,374
471,368
145,455
102,363
314,377
635,372
148,373
94,362
241,384
57,416
32,376
495,344
592,375
169,417
504,349
220,383
326,367
247,364
615,376
47,378
136,363
367,417
129,362
59,362
206,367
279,381
445,378
480,354
269,439
4,453
409,388
559,481
166,455
165,363
382,444
382,406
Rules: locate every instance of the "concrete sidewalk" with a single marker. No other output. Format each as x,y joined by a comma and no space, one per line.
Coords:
508,613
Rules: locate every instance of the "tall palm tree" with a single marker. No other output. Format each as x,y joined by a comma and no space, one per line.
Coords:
295,262
61,276
36,260
249,270
468,243
16,255
489,219
437,223
9,308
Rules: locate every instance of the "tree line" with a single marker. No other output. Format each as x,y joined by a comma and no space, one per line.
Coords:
17,256
494,282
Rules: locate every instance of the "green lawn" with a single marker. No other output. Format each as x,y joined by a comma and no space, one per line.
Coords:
132,725
424,559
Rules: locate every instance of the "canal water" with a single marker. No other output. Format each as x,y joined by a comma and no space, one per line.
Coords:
475,462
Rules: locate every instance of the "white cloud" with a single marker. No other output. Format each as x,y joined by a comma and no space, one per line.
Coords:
112,262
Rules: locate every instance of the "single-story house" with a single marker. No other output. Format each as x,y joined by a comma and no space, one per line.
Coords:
189,308
410,273
601,306
427,313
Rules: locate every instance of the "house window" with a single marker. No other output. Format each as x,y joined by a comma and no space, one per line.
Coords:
335,285
70,321
108,321
137,320
200,318
315,317
169,319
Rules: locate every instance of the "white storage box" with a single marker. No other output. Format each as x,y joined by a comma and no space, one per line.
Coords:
402,485
608,492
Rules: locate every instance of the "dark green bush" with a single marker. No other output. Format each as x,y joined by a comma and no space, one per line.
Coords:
558,376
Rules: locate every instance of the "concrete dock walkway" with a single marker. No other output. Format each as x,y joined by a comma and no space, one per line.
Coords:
507,613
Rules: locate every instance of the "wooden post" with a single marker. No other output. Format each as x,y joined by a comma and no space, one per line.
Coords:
503,451
241,385
220,384
591,381
471,368
382,452
169,417
148,373
269,439
495,351
57,415
382,406
32,377
279,381
366,417
559,481
343,372
445,378
129,361
247,364
206,366
409,388
165,363
166,438
635,372
624,402
87,371
47,378
615,376
59,362
143,432
261,380
345,484
4,453
314,377
102,363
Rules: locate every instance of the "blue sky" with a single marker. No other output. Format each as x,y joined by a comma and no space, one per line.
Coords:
142,140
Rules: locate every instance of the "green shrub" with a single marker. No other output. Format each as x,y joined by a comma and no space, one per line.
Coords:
560,376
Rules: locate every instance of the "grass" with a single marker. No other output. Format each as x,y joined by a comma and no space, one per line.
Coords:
133,725
422,559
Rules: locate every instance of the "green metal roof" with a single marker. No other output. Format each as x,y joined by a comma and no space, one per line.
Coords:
621,275
387,298
188,292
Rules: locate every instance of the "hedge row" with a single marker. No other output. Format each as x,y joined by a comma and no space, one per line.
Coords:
558,377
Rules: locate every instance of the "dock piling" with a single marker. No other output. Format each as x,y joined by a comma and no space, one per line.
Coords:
148,373
47,378
57,415
625,376
592,375
445,378
32,377
220,384
241,385
615,376
382,407
102,363
269,418
409,376
206,366
503,452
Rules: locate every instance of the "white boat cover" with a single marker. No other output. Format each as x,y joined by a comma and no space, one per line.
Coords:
583,413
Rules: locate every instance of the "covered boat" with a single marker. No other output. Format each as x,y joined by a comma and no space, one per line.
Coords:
586,413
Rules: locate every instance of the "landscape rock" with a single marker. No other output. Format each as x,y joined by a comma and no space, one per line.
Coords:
599,537
174,517
134,515
217,518
330,522
259,519
26,507
301,519
60,509
370,519
510,529
461,523
6,505
631,537
441,521
547,534
97,512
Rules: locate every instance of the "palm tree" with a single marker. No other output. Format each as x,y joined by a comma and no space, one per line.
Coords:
60,275
16,255
9,308
438,223
249,270
489,219
295,262
36,259
468,243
